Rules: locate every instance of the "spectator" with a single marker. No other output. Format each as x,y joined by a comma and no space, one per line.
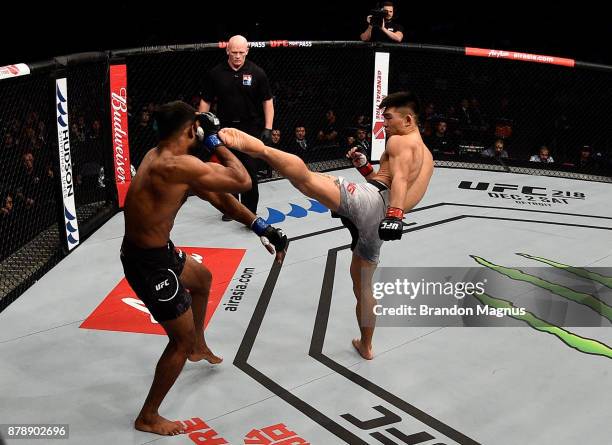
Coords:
143,136
542,156
28,180
384,29
439,142
245,104
349,142
32,140
76,133
7,207
362,121
95,132
11,152
82,128
426,124
497,151
276,138
585,161
300,144
362,141
328,134
503,119
7,221
477,117
464,114
263,169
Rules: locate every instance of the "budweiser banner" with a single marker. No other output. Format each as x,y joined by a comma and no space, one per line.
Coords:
119,125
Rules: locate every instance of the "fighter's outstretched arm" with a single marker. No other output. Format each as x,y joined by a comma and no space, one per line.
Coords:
207,176
272,238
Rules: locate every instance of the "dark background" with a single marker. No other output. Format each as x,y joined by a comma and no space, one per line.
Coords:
32,32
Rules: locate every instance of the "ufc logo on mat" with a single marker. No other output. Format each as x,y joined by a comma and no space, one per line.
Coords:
388,418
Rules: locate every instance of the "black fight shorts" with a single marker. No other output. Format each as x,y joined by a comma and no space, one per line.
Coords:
154,276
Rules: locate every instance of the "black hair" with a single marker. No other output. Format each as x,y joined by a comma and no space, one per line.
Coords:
170,118
402,99
388,3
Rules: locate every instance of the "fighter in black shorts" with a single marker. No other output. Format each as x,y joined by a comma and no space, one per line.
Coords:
172,285
154,275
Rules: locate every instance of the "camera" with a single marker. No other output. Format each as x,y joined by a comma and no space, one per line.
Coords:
378,16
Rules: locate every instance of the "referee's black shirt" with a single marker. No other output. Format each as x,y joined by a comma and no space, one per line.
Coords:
238,94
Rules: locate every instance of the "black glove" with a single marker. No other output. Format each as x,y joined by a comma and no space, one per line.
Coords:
266,136
269,235
207,131
391,226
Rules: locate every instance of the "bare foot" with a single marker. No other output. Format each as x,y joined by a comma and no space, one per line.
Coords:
204,353
242,141
363,351
158,425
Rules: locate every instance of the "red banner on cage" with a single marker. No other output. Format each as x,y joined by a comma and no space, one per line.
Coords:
522,57
119,129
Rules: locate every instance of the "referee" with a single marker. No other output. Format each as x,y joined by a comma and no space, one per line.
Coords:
242,93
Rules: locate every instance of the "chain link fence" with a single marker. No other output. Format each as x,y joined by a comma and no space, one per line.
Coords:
32,233
305,92
476,113
92,166
28,169
545,118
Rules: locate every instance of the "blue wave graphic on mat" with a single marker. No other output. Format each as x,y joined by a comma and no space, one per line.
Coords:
276,216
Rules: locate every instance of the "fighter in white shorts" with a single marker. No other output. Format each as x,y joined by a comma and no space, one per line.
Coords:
373,210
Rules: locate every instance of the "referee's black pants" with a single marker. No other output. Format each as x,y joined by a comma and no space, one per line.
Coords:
250,198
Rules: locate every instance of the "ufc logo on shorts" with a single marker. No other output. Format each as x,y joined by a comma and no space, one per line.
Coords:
161,285
390,225
351,188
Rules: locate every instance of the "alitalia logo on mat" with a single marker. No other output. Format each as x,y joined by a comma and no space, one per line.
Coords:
578,342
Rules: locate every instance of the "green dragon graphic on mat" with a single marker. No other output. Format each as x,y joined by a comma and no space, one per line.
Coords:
582,344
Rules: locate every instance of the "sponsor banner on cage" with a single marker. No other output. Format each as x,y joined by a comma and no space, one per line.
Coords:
119,126
65,158
19,69
381,80
522,57
275,44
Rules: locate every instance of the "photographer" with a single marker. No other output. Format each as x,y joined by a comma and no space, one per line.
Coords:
381,27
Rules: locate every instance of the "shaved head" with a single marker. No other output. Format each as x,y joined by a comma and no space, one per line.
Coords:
237,49
237,42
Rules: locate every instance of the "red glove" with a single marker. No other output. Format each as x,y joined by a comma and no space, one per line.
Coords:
360,161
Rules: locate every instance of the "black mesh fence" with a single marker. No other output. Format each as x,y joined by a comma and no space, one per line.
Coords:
531,112
92,166
29,231
32,233
541,117
544,119
323,90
